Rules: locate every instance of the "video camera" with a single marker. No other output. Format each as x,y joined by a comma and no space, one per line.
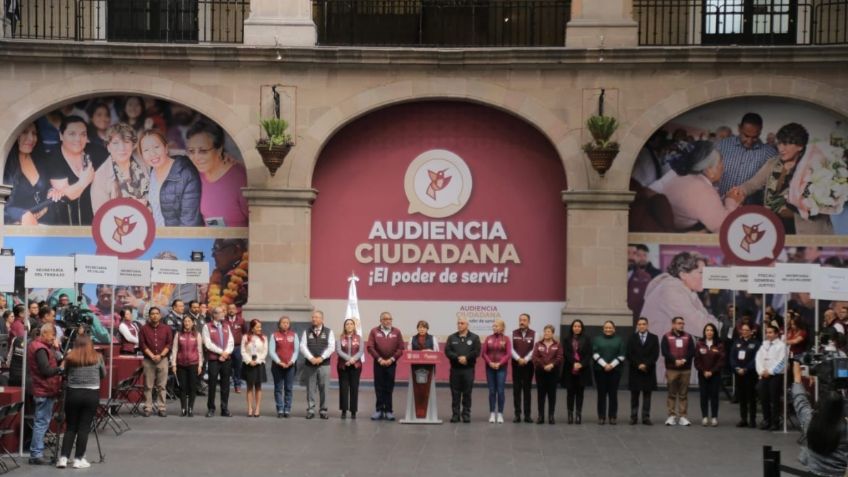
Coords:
829,366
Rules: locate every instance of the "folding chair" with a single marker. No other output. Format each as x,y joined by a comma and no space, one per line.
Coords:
133,394
8,415
108,409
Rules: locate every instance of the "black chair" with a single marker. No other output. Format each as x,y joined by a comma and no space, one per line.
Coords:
108,410
8,415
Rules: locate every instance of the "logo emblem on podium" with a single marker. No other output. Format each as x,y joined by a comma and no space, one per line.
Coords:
421,376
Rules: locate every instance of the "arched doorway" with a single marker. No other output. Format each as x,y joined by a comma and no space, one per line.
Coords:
441,208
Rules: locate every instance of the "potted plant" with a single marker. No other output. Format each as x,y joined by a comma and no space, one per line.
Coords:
276,145
601,150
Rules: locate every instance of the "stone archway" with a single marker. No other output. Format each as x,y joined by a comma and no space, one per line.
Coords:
632,140
311,142
240,128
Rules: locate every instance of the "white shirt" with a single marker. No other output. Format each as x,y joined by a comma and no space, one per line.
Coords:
771,357
331,344
212,346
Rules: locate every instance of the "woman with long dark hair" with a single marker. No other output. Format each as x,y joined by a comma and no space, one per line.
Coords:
349,348
187,363
29,203
825,431
254,350
709,361
796,334
83,369
577,370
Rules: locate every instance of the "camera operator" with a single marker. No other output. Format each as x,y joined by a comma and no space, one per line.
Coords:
43,357
84,369
825,434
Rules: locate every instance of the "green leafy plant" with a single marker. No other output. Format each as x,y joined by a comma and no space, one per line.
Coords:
275,129
601,128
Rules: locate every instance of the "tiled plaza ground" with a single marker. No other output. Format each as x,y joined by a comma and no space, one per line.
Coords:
315,448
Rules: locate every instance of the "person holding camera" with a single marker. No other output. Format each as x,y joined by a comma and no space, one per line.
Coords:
825,433
83,369
43,359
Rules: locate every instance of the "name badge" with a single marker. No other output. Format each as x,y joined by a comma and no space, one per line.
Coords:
741,355
679,342
704,350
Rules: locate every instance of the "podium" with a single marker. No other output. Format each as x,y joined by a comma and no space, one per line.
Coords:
421,398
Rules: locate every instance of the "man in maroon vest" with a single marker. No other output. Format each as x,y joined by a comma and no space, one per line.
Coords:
218,340
678,349
238,328
523,340
385,345
284,347
155,342
43,367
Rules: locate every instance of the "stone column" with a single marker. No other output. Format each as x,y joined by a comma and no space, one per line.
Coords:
601,24
596,251
283,22
5,192
279,241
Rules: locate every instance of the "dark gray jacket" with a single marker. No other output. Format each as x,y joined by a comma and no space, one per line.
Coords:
179,196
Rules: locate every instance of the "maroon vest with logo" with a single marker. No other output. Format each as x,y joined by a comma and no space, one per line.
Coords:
42,386
284,345
675,351
350,344
215,338
187,354
522,346
126,346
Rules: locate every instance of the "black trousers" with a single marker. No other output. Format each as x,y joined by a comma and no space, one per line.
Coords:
746,386
384,386
188,379
574,398
349,388
646,403
769,390
220,372
546,387
461,384
607,384
709,390
80,408
522,383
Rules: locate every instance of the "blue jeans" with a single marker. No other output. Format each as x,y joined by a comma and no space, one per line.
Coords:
283,381
237,362
496,379
40,424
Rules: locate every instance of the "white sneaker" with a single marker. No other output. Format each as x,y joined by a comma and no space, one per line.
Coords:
500,418
683,422
491,418
62,463
81,464
705,421
715,422
671,421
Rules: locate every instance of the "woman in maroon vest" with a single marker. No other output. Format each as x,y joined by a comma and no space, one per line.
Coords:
128,333
187,363
349,348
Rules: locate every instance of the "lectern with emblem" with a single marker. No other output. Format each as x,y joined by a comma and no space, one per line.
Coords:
421,398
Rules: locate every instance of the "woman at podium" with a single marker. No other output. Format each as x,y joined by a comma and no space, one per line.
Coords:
423,340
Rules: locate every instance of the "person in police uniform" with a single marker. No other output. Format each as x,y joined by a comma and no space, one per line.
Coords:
742,362
462,350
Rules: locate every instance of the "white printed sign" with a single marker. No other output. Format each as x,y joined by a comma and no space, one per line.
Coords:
7,274
197,272
49,272
796,277
168,271
718,278
100,269
133,273
762,280
739,281
831,284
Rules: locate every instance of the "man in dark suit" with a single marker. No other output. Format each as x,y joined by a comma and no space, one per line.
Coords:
643,350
